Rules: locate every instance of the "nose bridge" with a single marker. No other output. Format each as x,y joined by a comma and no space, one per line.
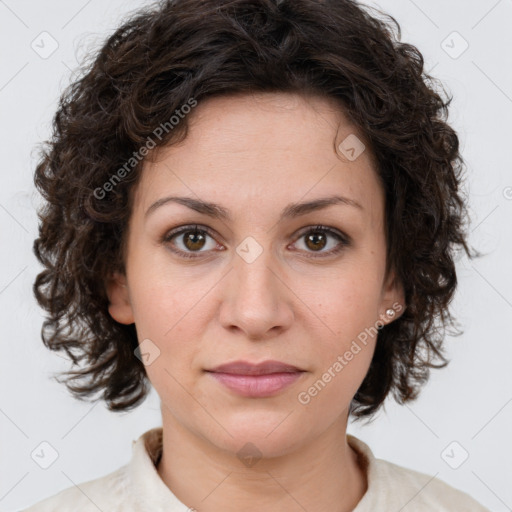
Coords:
254,267
254,273
258,299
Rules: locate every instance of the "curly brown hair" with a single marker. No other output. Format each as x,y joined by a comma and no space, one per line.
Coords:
175,50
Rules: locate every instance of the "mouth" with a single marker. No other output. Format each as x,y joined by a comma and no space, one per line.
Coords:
256,380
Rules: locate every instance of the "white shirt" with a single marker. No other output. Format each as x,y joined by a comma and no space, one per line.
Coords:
137,487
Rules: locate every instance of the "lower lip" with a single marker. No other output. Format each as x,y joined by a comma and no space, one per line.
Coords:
257,386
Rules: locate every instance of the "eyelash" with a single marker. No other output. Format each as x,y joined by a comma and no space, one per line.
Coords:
343,239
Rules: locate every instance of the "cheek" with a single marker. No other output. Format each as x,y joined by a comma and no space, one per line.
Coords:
348,309
330,389
164,303
169,327
328,394
346,304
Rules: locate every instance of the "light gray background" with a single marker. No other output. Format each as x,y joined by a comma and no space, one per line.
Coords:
469,402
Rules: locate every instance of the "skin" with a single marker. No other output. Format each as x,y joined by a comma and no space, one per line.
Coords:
254,155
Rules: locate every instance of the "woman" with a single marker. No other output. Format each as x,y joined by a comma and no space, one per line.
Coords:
253,206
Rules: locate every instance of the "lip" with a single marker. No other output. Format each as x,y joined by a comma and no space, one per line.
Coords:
262,368
256,380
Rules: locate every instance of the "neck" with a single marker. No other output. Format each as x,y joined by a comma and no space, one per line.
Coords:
323,475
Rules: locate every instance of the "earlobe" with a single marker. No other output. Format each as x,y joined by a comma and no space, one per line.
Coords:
120,307
394,299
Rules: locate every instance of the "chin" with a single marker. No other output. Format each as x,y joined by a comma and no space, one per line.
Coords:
265,433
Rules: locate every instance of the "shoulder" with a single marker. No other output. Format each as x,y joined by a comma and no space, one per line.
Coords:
107,493
133,487
421,492
394,487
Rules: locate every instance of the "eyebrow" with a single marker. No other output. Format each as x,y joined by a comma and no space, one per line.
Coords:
216,211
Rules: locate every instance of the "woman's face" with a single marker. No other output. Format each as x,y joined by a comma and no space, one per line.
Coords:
260,282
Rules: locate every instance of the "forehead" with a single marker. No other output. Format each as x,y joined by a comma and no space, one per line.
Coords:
260,151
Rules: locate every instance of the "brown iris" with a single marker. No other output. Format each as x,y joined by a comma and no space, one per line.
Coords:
196,239
313,239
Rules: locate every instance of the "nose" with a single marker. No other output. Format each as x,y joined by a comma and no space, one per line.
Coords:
257,300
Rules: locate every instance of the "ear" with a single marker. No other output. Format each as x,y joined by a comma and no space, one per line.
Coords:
120,307
393,297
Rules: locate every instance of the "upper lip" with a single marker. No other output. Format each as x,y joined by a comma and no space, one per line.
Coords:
247,368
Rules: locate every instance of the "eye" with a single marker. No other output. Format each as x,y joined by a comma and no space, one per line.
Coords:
317,238
192,239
